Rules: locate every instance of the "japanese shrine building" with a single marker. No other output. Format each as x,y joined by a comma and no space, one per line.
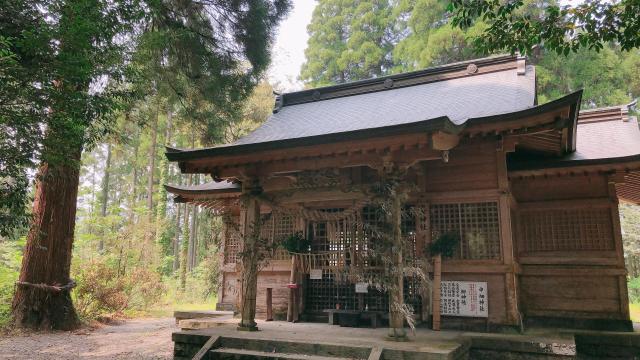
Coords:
531,190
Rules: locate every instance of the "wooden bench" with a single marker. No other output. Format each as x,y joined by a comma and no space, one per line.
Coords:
352,318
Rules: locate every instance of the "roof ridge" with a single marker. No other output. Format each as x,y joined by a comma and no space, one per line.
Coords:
388,82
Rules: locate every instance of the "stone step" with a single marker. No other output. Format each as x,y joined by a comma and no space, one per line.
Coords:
296,347
242,354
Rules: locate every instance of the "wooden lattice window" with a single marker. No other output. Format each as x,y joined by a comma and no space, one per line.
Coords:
283,226
232,240
476,224
566,229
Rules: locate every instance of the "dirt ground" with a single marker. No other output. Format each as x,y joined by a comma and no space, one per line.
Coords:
146,338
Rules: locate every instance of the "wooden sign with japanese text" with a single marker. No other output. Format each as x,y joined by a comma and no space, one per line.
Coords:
362,288
315,274
464,298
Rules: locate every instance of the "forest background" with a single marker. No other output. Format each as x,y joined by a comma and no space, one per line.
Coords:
137,252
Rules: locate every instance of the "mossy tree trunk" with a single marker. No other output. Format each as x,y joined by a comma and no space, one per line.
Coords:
47,256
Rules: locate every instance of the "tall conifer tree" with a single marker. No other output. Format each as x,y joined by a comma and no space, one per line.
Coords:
86,51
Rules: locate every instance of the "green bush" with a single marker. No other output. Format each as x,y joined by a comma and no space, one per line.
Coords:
444,245
10,260
102,291
633,284
296,243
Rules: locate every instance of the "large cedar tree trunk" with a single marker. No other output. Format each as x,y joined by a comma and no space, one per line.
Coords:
47,256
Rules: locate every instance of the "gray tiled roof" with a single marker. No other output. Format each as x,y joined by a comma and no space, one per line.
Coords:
458,99
605,135
607,139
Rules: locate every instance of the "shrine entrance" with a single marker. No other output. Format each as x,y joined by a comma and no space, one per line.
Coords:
339,258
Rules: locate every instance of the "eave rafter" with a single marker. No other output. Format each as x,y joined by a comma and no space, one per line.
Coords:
402,150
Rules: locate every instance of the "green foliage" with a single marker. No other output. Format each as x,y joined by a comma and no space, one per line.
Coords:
562,29
102,290
348,40
633,284
430,40
296,243
606,76
10,259
419,34
444,245
365,39
72,66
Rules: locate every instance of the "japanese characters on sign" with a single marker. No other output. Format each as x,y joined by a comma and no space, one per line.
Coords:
315,274
362,288
464,298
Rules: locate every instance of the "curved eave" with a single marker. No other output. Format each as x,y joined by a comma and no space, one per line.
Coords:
613,163
429,125
571,100
191,193
440,123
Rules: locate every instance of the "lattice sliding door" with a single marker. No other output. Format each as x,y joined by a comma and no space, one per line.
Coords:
348,244
476,224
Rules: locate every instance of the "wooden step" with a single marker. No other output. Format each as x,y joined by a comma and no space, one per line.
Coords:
241,354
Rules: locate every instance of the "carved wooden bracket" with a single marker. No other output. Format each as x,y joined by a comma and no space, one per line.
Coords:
441,140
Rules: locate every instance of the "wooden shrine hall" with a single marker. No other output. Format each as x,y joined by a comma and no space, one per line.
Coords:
530,191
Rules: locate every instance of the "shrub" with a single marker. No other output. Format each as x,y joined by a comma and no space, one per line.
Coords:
99,291
144,288
102,291
444,245
633,284
296,243
10,260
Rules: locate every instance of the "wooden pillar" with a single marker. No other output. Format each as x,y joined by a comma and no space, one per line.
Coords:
221,261
269,304
423,237
513,316
617,237
437,282
250,226
396,292
292,308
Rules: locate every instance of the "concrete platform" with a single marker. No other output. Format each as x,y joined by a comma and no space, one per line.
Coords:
283,340
184,315
289,337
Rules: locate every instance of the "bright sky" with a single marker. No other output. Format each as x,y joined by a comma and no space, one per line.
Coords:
288,50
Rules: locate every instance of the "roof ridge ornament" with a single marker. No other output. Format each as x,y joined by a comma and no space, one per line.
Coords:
278,102
521,64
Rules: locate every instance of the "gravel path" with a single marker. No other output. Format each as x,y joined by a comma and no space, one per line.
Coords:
147,338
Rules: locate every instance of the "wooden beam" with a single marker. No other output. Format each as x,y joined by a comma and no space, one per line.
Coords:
365,145
599,202
405,157
310,195
441,140
210,344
